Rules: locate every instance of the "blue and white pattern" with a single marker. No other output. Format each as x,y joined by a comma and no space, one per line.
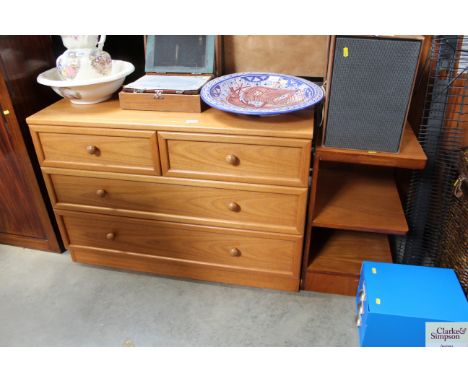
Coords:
256,93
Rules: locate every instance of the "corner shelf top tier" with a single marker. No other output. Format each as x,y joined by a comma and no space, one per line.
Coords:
359,198
411,154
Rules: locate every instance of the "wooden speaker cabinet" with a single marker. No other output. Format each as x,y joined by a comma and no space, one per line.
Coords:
369,85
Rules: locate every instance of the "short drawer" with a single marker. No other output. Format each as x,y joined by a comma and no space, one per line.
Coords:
236,205
98,149
233,158
225,248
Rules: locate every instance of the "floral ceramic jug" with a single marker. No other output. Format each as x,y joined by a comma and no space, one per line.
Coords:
83,60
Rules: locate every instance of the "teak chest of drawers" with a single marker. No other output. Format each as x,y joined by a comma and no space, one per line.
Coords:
210,196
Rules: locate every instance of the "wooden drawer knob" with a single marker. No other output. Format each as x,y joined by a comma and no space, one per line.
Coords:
232,159
110,236
101,193
233,206
235,252
92,150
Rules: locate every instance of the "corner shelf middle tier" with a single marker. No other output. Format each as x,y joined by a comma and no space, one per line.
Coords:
359,198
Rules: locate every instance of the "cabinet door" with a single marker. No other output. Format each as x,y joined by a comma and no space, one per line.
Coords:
18,214
24,219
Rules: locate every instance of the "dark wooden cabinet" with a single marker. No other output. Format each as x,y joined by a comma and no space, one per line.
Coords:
24,216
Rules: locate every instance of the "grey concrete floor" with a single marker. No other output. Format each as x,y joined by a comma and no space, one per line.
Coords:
47,300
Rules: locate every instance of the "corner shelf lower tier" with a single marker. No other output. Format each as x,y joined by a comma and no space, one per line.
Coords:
337,255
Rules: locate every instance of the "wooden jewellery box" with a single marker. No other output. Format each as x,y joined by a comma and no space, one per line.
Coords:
176,69
370,82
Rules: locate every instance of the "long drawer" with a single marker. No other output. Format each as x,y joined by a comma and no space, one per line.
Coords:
233,158
129,151
266,208
275,254
173,267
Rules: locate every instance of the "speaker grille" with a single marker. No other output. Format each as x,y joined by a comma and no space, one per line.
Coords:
370,91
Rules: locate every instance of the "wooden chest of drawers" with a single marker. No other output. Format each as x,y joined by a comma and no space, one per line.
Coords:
209,196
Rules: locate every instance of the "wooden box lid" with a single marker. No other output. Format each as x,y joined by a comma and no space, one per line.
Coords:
180,54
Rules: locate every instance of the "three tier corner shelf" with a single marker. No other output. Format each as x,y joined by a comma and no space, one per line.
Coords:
354,205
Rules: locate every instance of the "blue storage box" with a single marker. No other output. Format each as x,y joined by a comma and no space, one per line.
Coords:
395,301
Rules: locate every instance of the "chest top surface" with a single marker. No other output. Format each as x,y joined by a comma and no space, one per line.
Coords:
109,114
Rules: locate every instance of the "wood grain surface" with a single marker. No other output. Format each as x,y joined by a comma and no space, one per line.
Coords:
181,268
137,153
359,198
24,219
108,114
411,154
199,202
166,102
255,160
271,253
342,252
331,283
210,196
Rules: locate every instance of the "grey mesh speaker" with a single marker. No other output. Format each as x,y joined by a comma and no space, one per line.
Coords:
369,91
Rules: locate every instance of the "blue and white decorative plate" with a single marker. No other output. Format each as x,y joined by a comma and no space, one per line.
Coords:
260,93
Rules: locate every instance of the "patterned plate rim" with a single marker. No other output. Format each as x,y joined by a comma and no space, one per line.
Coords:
206,97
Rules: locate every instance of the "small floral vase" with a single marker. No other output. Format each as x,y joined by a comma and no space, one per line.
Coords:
83,60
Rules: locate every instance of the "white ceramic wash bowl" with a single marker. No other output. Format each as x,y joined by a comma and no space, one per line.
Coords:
88,91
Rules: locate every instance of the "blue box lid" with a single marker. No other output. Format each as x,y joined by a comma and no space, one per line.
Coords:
180,54
414,291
